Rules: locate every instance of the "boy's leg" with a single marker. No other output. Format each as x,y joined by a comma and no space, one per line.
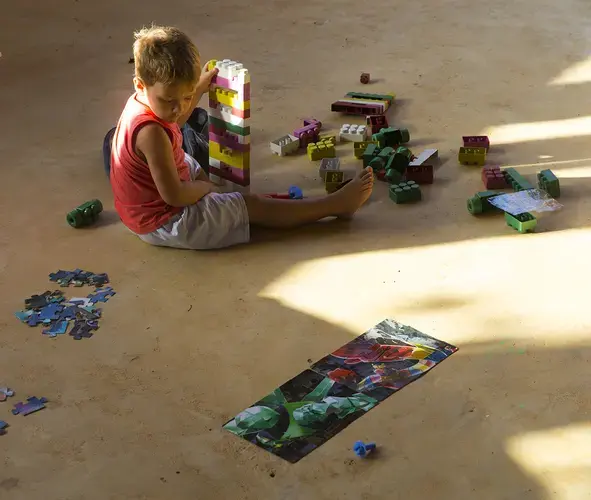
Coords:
196,137
107,144
270,212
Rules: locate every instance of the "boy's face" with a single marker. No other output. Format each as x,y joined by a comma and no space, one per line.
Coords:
168,102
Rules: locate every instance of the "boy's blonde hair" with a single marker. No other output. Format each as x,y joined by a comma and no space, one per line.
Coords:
165,54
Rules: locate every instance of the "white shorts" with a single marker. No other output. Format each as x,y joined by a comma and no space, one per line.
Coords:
216,221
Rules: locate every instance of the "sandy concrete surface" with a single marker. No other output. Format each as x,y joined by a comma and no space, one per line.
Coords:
192,338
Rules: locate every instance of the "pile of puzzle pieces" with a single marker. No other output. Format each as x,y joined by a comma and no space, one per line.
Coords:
57,314
474,152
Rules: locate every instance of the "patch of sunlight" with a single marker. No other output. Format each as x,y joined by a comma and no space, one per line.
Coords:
576,74
528,287
559,459
564,168
537,131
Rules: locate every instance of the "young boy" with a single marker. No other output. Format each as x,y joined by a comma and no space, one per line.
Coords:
161,193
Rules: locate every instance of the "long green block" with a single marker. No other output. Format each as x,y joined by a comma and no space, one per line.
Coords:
549,183
236,129
376,97
479,204
517,181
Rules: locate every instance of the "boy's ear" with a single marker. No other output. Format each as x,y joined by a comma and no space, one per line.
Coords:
138,84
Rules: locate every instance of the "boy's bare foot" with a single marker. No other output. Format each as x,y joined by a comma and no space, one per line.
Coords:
352,195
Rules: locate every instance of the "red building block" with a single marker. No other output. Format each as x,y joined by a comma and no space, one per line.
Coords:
421,174
476,141
493,178
376,123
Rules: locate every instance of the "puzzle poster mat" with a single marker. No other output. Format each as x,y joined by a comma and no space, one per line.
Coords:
309,409
301,415
384,359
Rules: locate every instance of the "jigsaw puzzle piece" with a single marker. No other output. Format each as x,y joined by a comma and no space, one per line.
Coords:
24,315
57,328
67,313
58,276
98,279
80,301
83,329
34,319
3,426
5,392
101,294
50,312
32,405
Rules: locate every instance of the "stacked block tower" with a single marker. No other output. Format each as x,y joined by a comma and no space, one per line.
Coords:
229,125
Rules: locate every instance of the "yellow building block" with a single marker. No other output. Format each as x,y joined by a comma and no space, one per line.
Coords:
321,149
236,159
229,98
359,148
329,138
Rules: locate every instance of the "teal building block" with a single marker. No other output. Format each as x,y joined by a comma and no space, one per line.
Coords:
516,180
479,204
405,192
548,182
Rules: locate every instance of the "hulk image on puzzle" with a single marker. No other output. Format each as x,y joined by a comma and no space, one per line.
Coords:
301,415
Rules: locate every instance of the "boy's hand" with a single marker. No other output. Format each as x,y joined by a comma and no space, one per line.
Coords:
205,80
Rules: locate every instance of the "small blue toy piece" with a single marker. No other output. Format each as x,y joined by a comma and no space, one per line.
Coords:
3,426
101,295
32,405
295,193
362,449
57,328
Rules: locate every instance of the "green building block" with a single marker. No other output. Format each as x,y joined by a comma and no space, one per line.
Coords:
516,180
472,156
549,183
377,163
524,223
392,137
374,97
393,176
370,152
405,192
479,204
85,215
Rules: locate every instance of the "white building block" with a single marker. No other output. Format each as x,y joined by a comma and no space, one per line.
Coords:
285,145
232,70
354,133
424,157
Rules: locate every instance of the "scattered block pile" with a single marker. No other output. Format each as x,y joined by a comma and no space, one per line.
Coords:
495,180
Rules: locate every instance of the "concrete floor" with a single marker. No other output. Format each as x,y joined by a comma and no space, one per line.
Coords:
136,412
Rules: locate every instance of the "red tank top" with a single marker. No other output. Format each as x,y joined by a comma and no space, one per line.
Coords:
137,200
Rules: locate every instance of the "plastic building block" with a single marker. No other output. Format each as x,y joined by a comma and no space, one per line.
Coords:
32,405
388,98
524,223
229,116
364,78
405,192
376,123
381,159
362,449
85,215
370,152
321,149
476,141
328,165
360,147
548,182
312,121
391,137
3,426
493,178
427,156
472,156
307,134
393,176
333,180
358,103
422,174
400,160
516,180
479,204
354,133
285,145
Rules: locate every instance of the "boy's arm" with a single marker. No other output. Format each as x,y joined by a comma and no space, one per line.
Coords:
202,87
153,142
